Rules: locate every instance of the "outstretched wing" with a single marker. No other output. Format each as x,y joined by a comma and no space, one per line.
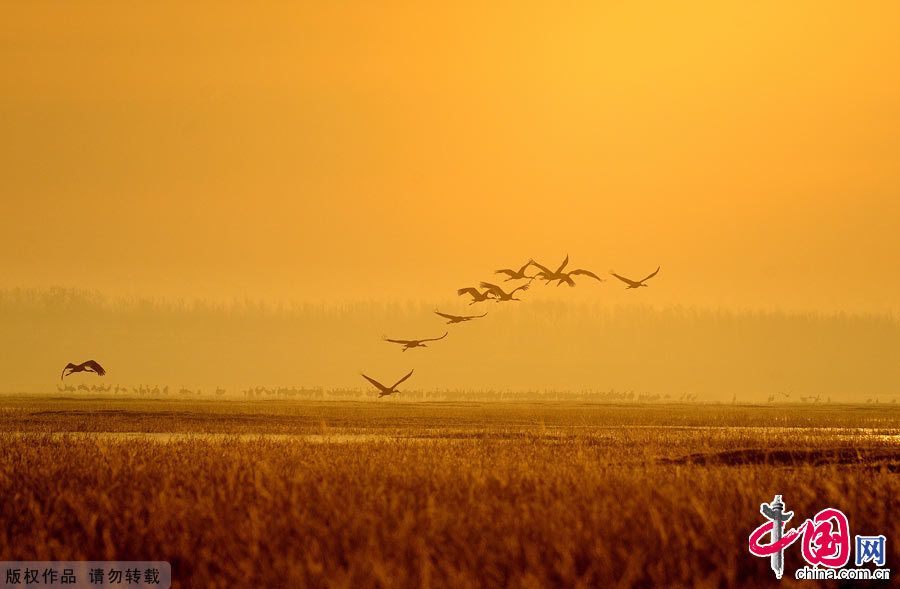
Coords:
652,275
492,288
563,265
567,278
507,271
434,339
69,365
375,383
523,287
585,273
627,281
543,269
398,341
468,290
525,267
396,384
448,316
95,367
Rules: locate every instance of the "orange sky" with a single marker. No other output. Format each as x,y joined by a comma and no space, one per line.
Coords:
355,150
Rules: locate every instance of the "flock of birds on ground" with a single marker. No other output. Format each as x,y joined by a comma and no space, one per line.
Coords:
156,390
488,291
612,395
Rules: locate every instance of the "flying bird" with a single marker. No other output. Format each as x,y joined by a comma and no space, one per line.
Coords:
408,344
563,277
516,274
458,318
89,366
635,283
567,276
550,275
384,391
500,294
477,296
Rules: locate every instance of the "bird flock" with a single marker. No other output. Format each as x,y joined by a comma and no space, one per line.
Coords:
487,291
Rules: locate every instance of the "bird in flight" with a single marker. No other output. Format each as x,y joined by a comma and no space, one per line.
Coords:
89,366
477,296
458,318
549,275
384,391
516,274
635,283
561,276
567,276
408,344
500,294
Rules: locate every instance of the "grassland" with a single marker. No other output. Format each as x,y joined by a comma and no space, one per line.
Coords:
298,493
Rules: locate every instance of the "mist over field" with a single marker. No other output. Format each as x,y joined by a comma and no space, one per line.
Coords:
532,345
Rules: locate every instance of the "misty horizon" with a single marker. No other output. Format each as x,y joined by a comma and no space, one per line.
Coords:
528,346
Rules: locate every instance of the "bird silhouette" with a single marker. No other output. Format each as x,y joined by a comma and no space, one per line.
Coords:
516,274
477,296
500,294
89,366
550,275
566,277
458,318
560,276
383,390
635,283
408,344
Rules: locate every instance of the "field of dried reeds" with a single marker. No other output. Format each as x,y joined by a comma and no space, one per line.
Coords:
390,494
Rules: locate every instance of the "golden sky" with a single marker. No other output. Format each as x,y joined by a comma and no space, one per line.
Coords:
382,150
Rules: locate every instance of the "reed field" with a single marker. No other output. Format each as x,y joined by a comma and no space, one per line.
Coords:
307,493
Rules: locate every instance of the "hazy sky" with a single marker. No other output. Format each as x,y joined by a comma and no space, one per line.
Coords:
357,150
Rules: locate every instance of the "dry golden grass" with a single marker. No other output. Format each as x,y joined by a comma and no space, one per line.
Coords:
440,495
